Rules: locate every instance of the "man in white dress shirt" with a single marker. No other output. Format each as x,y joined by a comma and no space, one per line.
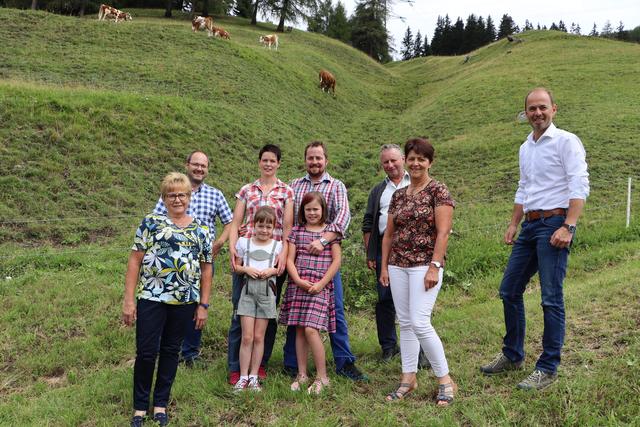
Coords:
552,190
374,224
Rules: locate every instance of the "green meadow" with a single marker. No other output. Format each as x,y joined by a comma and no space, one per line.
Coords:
94,114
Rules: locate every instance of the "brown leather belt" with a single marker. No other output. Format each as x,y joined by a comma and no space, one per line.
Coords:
534,215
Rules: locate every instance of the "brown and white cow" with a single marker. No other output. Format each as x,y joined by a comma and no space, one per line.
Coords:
269,40
109,12
327,82
220,32
202,22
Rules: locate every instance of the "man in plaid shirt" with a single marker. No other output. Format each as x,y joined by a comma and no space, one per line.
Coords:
335,194
206,204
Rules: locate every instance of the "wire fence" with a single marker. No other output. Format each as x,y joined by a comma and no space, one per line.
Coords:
135,217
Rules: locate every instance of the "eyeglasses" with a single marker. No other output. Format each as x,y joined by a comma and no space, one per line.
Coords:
176,196
199,165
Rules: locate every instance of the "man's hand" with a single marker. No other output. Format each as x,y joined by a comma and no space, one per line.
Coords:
431,278
561,238
215,249
281,263
510,233
315,247
371,264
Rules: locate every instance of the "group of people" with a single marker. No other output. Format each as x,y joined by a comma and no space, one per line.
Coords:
279,230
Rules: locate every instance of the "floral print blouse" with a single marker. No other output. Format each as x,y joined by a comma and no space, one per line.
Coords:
414,236
170,271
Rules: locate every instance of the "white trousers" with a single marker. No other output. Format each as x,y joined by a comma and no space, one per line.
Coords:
413,307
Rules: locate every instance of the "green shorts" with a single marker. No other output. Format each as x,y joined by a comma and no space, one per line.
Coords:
258,298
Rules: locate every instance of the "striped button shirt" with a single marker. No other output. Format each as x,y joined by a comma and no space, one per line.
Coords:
335,194
206,203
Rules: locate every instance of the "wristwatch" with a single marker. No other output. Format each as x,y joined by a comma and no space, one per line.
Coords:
436,264
203,305
571,228
324,241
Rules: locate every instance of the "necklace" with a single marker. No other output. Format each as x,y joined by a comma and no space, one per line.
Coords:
413,190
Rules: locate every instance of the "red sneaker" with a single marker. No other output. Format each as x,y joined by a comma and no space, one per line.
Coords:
234,377
262,373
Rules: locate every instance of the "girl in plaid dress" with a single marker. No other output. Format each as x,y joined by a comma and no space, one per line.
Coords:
309,302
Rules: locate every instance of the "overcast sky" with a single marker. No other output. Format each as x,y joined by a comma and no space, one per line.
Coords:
423,14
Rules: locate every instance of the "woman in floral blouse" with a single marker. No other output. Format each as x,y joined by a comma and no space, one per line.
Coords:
413,255
170,267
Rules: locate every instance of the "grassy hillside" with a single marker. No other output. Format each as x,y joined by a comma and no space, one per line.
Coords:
93,114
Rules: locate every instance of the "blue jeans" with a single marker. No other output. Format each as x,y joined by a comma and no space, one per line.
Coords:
340,345
532,252
160,329
192,339
235,329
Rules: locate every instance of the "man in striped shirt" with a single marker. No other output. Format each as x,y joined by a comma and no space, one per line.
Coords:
335,194
206,204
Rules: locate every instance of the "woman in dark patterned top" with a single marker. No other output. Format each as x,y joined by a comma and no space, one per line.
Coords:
413,255
170,267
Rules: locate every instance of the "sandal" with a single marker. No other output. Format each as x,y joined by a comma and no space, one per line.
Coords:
446,393
300,381
317,386
399,394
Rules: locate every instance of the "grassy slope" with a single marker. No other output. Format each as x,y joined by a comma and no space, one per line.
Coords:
93,114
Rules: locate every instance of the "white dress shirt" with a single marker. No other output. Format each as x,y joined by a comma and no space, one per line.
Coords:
553,170
385,199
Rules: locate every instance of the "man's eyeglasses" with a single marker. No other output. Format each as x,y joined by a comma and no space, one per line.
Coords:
175,196
199,165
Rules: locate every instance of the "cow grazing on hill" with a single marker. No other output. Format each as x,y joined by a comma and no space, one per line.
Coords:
202,22
269,40
220,32
327,82
197,23
108,12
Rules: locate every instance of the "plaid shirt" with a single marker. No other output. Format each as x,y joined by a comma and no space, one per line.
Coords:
335,194
206,203
253,197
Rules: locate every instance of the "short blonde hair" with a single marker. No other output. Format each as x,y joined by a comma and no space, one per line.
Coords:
175,181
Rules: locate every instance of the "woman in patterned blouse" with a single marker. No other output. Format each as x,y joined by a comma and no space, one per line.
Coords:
413,254
170,267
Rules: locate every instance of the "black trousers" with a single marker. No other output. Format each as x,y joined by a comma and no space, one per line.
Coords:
385,314
163,324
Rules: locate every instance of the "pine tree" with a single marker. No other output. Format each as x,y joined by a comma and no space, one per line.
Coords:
407,45
368,32
527,25
562,27
553,27
607,30
292,10
490,31
319,21
426,48
457,37
594,31
417,46
507,26
620,32
339,27
243,8
438,36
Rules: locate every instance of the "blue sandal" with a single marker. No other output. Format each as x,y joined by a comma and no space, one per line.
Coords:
446,393
400,394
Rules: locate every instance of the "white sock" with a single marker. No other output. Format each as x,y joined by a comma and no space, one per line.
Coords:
244,377
253,377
